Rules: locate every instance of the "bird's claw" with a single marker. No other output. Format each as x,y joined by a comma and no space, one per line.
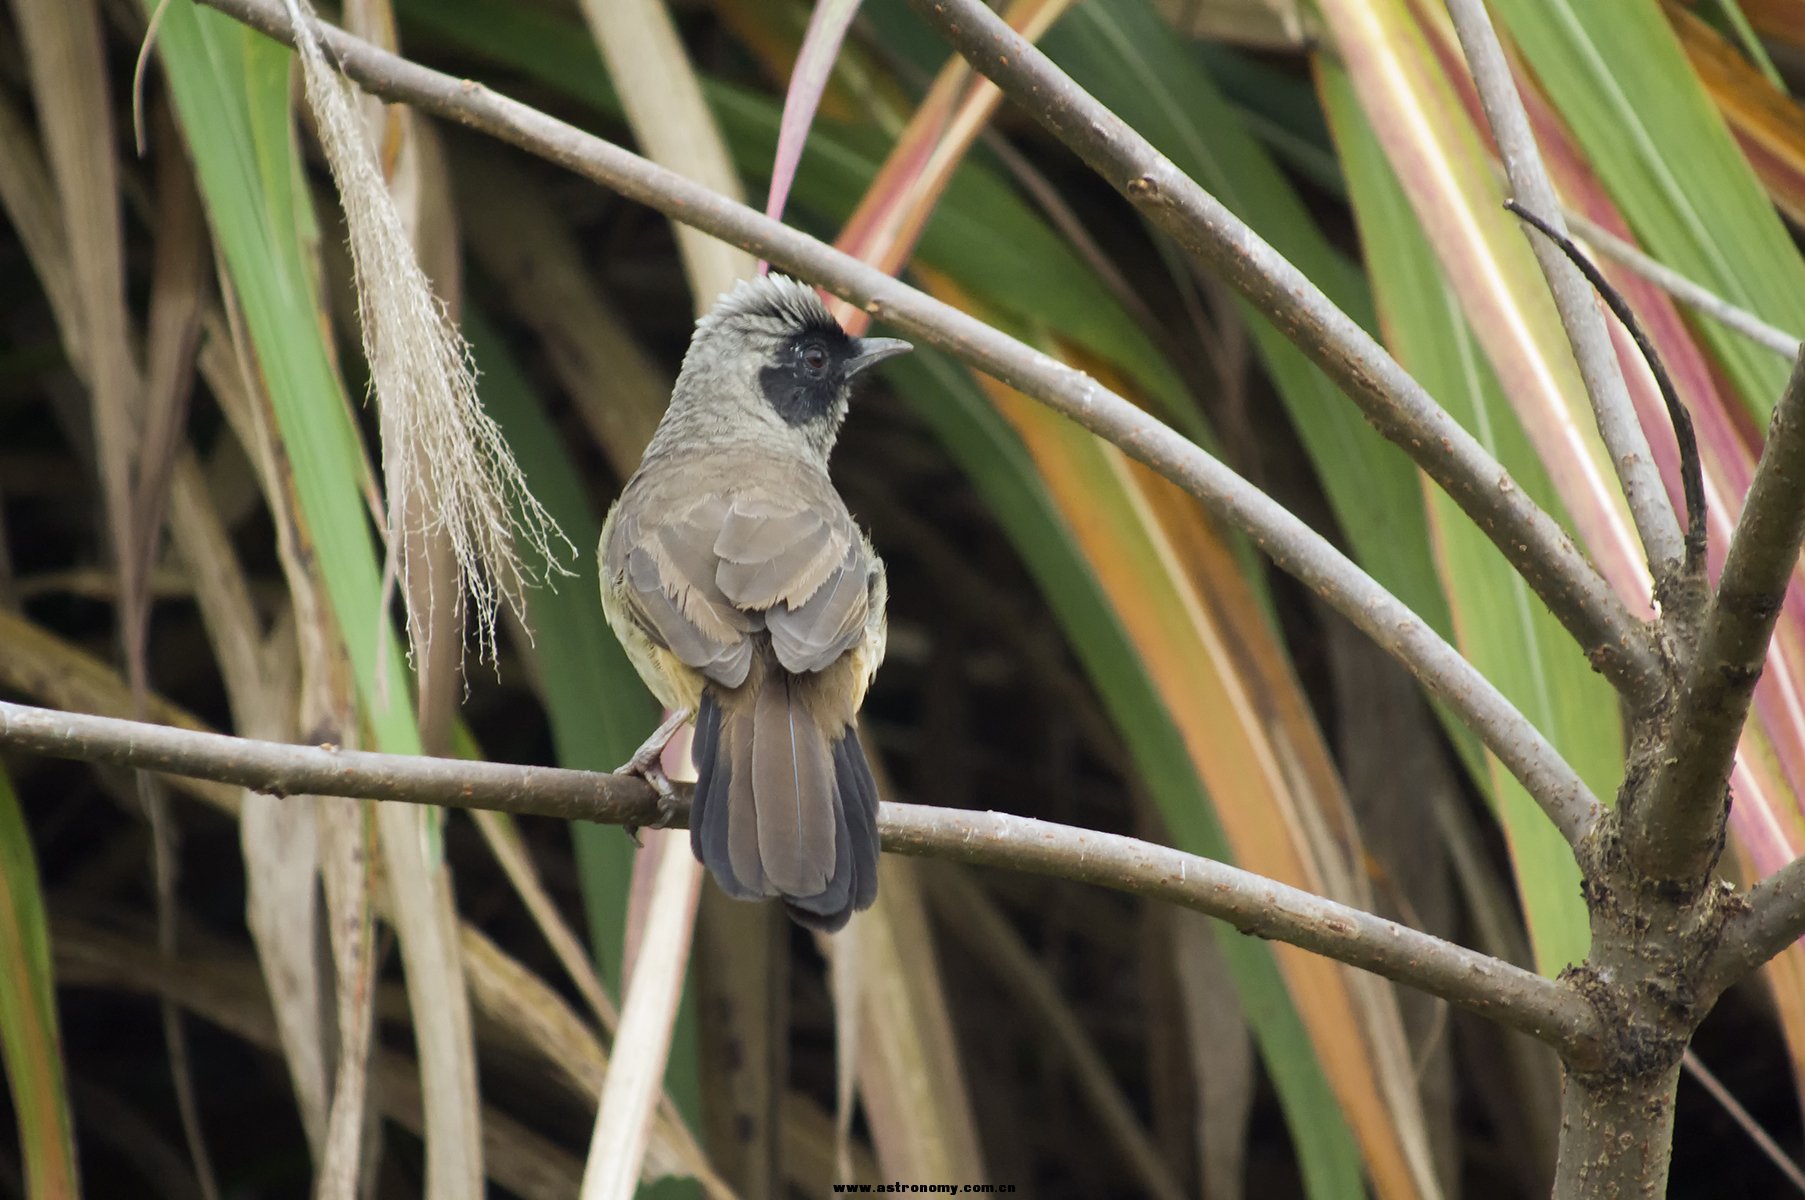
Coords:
648,763
667,798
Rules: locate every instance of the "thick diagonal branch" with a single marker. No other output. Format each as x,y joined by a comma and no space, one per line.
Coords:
1676,829
1396,404
1509,995
1614,637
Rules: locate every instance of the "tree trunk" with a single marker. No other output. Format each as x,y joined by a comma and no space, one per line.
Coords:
1616,1137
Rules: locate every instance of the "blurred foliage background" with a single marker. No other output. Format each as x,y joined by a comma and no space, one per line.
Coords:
187,493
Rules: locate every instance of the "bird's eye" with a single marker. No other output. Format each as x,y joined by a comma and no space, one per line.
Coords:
815,359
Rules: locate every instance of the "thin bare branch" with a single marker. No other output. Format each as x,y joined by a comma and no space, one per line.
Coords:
1772,918
1676,829
1615,640
1689,292
1692,471
1618,425
1745,1120
1396,404
1499,991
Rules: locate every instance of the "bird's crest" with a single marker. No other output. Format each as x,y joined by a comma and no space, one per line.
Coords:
776,303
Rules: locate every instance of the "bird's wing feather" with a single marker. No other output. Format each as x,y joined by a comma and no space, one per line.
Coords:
777,551
799,558
813,635
670,571
704,577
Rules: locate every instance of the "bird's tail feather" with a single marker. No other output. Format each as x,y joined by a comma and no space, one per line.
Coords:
708,819
781,808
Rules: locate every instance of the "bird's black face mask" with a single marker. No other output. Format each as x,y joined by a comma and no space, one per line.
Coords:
809,375
814,368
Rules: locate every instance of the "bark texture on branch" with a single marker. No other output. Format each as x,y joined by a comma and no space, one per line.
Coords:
1616,1136
1256,905
1292,545
1768,920
1618,424
1676,832
1398,406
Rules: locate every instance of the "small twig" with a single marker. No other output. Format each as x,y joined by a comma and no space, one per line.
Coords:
1499,991
1692,476
1687,291
1616,642
1676,829
1615,414
1745,1120
1397,405
1771,918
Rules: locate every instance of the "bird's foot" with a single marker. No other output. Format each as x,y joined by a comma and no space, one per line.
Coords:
651,751
667,798
648,763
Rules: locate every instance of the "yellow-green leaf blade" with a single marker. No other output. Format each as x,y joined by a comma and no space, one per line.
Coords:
29,1041
1499,624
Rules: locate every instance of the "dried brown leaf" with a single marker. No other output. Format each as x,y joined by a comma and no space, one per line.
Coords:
179,290
673,126
347,840
654,987
421,907
229,994
342,831
529,249
504,842
31,205
742,995
970,917
1222,1054
911,1082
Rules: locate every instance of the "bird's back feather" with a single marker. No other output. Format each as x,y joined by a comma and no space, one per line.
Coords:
741,587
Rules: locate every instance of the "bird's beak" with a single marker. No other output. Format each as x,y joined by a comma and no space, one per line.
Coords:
872,351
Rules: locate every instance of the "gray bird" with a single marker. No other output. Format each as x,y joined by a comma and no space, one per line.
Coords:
748,598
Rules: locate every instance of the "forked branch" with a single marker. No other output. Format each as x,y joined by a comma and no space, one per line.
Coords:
1614,638
1692,469
1398,406
1596,357
1676,831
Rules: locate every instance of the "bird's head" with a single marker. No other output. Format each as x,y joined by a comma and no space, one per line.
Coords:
770,351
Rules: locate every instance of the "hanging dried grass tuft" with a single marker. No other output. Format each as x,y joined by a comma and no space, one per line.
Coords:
446,466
